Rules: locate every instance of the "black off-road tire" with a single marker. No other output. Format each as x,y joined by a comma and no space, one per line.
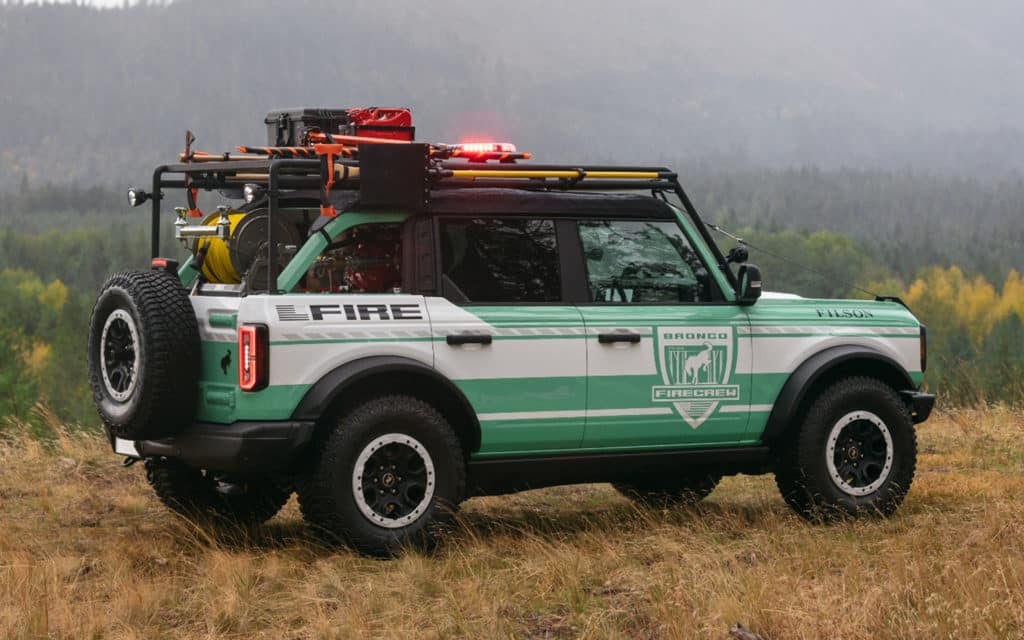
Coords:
817,492
396,429
151,392
664,492
205,497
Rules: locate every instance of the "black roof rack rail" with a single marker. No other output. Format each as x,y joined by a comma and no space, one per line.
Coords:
281,175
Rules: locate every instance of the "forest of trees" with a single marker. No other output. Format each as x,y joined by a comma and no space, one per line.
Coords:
813,233
905,114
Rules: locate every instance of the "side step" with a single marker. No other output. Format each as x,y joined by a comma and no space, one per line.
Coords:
507,475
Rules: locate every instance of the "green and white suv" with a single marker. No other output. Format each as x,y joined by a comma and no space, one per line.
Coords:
500,330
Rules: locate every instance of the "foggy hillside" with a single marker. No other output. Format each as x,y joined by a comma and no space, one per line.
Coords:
100,96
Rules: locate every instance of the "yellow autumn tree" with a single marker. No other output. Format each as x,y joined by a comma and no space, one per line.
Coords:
54,295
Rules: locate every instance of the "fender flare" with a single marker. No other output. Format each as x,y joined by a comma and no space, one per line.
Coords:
813,369
319,398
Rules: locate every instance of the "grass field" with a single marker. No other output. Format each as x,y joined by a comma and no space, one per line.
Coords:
87,552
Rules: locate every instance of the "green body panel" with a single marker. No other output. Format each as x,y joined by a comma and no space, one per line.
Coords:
224,320
492,397
806,320
508,395
608,390
528,437
511,395
220,399
187,274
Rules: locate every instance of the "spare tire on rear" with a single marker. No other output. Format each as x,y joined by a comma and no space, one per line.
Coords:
144,355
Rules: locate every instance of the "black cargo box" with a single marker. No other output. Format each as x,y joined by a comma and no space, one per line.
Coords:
288,127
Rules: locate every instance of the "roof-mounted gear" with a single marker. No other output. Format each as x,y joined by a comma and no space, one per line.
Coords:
316,155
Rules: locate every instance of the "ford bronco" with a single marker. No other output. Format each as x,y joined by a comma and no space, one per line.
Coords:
388,327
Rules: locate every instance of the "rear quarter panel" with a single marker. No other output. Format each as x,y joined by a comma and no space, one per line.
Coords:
310,335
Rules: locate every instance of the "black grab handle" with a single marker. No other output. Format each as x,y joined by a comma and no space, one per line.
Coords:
608,338
469,338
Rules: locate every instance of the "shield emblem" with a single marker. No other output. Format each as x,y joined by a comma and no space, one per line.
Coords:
696,364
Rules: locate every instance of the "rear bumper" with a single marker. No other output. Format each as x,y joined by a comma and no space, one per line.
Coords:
919,403
240,447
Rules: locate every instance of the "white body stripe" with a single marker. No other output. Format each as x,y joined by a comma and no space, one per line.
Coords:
558,351
206,305
517,356
757,330
525,358
598,413
621,358
784,355
741,408
307,363
303,349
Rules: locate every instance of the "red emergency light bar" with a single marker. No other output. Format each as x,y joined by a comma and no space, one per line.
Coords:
485,147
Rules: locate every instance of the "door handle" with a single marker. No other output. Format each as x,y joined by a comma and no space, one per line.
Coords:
469,338
609,338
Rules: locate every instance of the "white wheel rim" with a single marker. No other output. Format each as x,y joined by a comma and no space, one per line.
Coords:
115,390
365,479
844,447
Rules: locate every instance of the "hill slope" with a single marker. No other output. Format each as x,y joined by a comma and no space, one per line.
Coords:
102,95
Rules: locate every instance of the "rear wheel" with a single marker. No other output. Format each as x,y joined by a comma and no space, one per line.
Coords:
854,454
210,497
682,490
389,472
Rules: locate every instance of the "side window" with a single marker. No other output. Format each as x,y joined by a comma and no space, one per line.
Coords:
363,259
641,262
500,260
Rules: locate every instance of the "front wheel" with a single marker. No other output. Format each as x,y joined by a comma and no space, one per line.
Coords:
855,453
387,474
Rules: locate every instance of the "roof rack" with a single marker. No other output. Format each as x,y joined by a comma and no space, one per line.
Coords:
386,173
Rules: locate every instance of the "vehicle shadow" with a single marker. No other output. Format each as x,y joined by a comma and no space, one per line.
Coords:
512,519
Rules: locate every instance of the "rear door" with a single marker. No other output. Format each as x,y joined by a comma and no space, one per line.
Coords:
667,353
504,334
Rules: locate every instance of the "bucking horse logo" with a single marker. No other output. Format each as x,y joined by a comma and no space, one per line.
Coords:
696,364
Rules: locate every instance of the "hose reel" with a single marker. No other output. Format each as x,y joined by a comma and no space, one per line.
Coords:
232,260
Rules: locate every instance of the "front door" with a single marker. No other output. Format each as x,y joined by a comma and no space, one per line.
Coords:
504,335
667,354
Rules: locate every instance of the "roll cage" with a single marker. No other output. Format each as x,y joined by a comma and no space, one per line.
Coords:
388,175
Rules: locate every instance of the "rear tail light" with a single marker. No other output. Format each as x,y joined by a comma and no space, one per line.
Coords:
924,348
253,357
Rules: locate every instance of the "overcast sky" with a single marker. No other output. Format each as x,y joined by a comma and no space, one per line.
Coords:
105,4
933,85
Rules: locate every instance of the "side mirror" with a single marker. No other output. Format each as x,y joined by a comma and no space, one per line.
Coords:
749,277
737,255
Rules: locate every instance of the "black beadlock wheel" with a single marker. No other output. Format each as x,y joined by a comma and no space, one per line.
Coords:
208,497
669,491
143,355
854,454
387,474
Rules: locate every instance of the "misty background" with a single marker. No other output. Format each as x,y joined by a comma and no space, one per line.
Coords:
931,86
880,143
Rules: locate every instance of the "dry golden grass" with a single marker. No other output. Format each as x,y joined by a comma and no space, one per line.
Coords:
87,552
